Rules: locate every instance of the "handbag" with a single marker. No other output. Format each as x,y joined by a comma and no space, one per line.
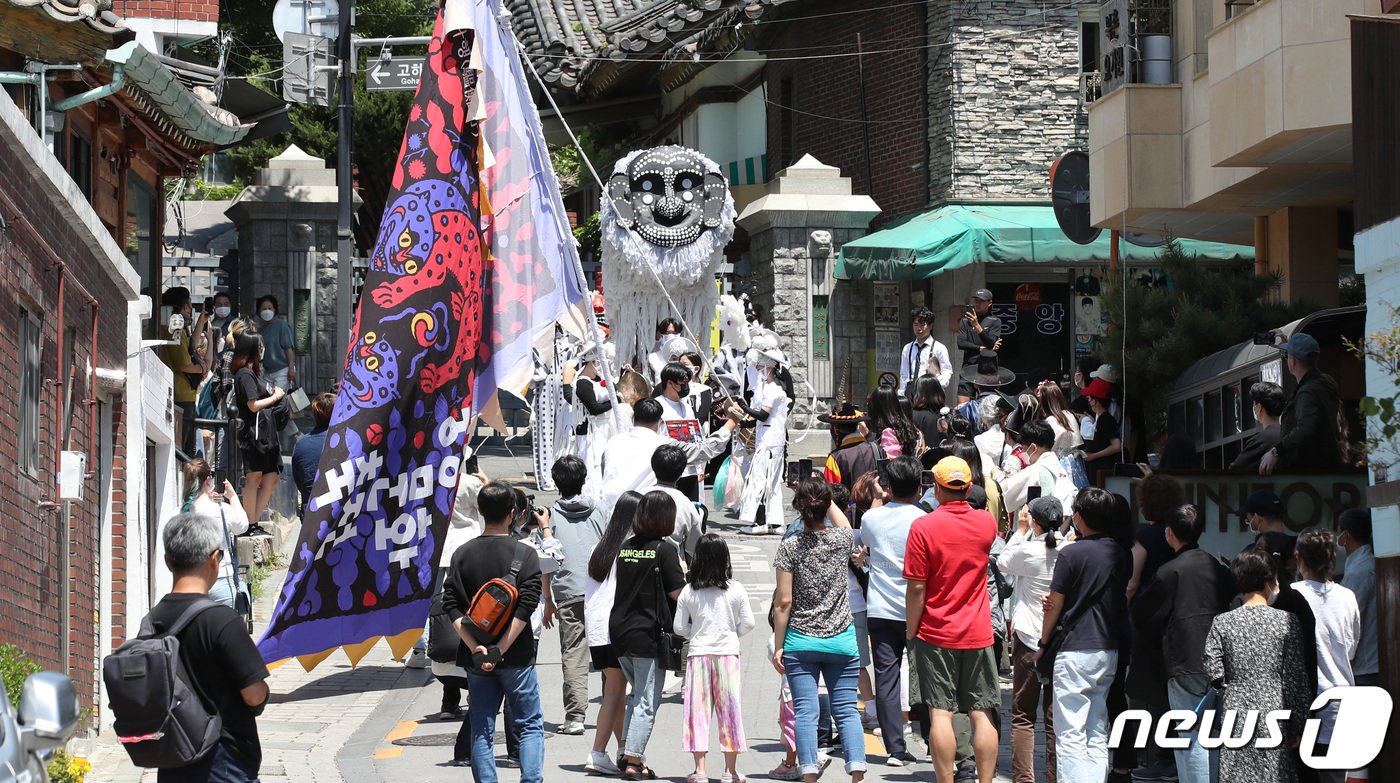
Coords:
1045,666
670,656
242,602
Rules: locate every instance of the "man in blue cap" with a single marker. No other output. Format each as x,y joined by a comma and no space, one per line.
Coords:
1310,440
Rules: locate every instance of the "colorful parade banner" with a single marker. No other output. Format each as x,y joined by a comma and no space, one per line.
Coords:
473,263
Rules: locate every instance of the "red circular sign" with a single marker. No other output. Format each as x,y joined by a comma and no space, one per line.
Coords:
1027,296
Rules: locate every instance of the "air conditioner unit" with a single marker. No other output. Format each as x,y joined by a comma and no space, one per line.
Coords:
72,474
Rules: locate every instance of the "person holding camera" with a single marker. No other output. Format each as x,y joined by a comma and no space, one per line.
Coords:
978,331
259,443
1029,557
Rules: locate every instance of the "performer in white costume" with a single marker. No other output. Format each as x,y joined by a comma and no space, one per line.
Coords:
764,486
593,404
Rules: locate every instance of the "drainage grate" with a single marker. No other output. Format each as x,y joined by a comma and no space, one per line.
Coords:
448,740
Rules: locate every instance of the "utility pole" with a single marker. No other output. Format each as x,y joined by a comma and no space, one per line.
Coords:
345,263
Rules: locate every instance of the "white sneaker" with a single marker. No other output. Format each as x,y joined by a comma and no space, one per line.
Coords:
418,660
599,764
572,728
763,530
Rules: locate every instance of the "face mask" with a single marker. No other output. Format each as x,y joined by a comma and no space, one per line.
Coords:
685,390
1273,595
222,312
267,315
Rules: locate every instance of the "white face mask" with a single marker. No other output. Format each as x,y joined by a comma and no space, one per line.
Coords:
267,315
222,312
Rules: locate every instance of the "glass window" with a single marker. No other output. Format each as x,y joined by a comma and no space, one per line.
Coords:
79,162
140,227
1231,410
1195,415
1213,402
30,369
1176,418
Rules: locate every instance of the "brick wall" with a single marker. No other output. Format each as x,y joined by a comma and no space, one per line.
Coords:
31,597
1003,98
189,10
827,88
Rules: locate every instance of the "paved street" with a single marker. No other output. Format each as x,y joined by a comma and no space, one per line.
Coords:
378,722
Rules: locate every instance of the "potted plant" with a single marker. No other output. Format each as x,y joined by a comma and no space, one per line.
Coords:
1152,27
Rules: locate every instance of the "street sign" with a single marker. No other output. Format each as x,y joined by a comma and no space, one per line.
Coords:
306,73
307,17
394,73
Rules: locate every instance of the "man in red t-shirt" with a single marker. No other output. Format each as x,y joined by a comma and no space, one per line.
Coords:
948,619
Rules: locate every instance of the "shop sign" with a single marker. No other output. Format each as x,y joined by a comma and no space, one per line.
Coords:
1113,27
1315,500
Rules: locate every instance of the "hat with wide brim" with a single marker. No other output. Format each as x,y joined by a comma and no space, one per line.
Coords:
846,414
1002,377
773,355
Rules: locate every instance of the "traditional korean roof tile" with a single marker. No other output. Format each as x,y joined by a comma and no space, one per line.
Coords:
96,14
586,45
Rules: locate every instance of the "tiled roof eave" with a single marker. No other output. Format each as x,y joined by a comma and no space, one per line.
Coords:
170,104
96,14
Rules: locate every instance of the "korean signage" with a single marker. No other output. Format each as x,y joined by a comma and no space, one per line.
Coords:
1113,32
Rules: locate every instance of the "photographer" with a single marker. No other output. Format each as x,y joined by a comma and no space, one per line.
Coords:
978,331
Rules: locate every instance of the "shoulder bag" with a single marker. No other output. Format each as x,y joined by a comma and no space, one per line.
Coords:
1045,666
670,654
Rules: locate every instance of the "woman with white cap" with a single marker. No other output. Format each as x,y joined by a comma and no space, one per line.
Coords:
769,408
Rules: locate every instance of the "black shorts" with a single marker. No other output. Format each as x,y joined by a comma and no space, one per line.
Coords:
603,657
261,462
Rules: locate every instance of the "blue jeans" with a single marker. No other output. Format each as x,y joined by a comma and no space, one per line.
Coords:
220,765
647,681
841,674
521,692
1081,682
1194,764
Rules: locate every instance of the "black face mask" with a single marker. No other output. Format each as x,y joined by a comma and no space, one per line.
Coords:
684,390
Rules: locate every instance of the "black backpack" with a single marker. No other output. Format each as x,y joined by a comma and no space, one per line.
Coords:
159,718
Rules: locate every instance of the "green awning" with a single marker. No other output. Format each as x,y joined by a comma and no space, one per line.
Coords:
957,235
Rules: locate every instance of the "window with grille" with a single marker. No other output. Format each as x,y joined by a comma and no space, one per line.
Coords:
30,388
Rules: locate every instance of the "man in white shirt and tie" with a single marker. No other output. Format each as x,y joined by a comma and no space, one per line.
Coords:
923,355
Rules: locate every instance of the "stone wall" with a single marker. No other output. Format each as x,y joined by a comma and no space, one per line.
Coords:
1003,98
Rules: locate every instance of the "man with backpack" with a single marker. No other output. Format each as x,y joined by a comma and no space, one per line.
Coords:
205,645
492,589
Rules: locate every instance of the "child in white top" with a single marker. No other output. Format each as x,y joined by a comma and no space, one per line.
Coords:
713,611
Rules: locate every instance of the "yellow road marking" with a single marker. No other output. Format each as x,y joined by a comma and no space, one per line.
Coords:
402,731
389,753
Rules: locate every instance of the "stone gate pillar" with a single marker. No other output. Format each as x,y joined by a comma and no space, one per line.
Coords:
795,234
287,247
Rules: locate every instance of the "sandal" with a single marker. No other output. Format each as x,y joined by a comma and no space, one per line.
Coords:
638,772
696,777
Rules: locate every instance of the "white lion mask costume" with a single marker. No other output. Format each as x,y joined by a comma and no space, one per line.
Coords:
667,208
